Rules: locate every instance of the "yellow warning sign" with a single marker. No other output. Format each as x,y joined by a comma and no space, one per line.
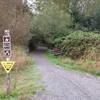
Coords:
7,65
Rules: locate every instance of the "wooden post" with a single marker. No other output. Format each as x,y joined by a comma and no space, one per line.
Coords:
8,89
7,53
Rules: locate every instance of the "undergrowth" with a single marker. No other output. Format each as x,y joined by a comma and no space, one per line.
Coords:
80,65
24,77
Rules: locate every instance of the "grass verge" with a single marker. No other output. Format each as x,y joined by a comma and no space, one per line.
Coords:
25,78
68,63
24,84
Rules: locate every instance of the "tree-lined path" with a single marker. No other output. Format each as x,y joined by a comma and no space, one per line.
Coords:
65,85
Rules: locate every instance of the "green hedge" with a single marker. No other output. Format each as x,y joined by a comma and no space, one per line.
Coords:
76,43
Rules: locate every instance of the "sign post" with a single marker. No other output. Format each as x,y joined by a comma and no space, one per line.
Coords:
7,45
7,64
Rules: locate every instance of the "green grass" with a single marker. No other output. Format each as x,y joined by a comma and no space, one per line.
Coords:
24,83
72,64
57,60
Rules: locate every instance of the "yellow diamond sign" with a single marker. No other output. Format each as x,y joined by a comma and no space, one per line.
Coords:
7,65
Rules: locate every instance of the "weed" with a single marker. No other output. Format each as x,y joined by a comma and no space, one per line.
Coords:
68,63
24,78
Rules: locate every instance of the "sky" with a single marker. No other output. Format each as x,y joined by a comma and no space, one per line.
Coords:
32,5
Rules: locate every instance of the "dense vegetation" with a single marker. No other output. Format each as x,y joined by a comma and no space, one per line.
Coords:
78,42
72,26
14,15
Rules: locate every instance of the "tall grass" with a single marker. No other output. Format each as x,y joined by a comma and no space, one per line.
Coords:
90,61
19,56
24,77
88,65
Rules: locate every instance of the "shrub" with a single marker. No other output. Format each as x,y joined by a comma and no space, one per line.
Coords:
78,42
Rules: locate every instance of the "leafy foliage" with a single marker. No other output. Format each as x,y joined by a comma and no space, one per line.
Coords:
50,21
58,25
15,16
78,42
86,13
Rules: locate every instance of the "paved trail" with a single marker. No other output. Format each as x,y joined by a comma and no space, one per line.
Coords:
65,85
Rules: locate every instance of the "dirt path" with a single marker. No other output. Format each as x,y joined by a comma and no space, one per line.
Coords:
65,85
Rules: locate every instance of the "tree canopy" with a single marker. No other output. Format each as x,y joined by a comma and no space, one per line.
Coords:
15,17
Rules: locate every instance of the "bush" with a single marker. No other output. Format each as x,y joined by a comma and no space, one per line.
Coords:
78,42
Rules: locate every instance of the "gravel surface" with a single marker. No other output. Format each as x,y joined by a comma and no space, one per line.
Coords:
65,85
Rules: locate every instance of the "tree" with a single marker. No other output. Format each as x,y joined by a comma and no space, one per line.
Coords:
63,4
85,13
50,20
13,16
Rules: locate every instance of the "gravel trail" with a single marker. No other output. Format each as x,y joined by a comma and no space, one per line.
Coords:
65,85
